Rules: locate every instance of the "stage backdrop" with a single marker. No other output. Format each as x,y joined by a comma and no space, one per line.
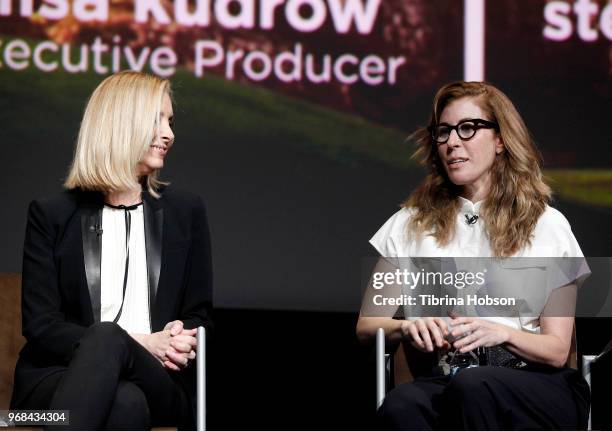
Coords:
292,116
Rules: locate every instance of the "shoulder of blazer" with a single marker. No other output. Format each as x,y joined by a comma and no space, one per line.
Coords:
59,208
175,197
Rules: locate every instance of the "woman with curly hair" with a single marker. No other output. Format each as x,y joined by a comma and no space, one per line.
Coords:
484,196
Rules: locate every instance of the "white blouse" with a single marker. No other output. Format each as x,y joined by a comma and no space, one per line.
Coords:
552,237
135,314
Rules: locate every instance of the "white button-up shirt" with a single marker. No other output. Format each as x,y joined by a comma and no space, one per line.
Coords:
552,237
135,315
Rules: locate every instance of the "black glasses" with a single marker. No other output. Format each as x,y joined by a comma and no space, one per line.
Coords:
465,129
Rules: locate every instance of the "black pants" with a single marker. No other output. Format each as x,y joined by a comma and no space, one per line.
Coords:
490,398
112,383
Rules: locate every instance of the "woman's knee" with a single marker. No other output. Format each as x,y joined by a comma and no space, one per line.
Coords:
130,410
471,383
104,330
101,342
404,401
107,334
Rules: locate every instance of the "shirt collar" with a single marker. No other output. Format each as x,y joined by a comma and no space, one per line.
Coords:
467,206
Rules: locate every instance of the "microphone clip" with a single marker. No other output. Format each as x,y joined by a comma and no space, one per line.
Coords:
471,219
96,228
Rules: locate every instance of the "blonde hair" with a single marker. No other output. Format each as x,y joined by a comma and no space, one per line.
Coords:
518,194
118,126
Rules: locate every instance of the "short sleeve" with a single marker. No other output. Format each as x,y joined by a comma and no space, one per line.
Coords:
391,240
554,231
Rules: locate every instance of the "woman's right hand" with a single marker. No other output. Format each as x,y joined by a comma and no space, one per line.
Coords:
182,346
183,349
163,346
158,344
426,333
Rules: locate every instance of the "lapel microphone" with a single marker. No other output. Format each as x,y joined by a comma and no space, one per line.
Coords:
96,228
471,219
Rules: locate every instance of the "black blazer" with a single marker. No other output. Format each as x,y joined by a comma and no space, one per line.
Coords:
61,275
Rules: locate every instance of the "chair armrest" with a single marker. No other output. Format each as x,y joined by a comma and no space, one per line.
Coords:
587,361
398,363
201,376
381,367
384,367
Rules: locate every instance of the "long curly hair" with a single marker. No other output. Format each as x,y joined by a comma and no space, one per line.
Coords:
518,194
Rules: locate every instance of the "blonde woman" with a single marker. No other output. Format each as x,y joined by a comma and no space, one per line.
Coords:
116,273
483,196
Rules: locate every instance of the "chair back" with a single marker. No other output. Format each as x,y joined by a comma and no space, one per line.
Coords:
11,340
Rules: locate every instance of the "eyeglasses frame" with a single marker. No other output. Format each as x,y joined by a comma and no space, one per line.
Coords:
479,123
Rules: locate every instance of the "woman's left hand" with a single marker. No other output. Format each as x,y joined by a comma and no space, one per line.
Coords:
471,332
182,346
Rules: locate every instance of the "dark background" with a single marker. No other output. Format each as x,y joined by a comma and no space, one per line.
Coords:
297,178
283,370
